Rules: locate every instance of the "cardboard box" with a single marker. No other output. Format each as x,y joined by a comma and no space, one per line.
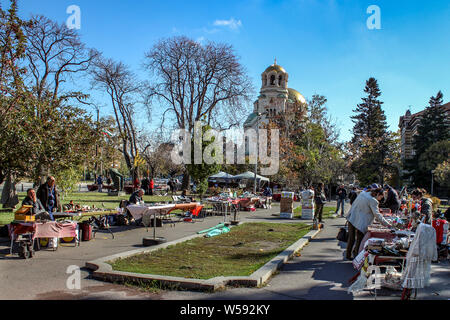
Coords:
286,215
307,214
25,218
287,207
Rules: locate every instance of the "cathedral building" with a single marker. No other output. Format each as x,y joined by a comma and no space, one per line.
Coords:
275,96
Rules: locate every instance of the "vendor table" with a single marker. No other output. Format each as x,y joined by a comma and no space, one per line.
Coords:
146,212
138,211
365,258
376,233
220,207
50,229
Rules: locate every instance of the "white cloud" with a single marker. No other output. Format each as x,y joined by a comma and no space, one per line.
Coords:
201,39
232,23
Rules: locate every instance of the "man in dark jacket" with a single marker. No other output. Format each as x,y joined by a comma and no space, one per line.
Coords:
341,196
38,209
146,185
49,196
392,200
136,197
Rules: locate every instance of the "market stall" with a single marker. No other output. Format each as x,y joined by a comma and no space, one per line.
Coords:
250,178
397,259
221,178
148,211
25,234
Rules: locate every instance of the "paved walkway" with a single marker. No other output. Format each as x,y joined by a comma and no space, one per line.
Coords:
319,273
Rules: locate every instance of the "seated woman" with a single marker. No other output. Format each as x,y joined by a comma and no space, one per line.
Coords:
38,209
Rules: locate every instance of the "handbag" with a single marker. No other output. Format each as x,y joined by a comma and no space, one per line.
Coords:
342,235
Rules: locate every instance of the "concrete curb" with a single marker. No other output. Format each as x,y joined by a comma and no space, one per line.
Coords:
103,271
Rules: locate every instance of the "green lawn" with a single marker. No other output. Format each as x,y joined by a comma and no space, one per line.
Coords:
240,252
328,212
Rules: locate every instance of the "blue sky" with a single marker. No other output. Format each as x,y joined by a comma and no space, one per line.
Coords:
325,46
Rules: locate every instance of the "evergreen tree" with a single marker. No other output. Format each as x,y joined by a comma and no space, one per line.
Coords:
433,127
371,140
370,120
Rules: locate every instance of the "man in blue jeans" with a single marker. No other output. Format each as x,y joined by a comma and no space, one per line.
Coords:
341,196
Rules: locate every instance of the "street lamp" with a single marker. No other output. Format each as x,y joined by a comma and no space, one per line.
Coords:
432,181
258,116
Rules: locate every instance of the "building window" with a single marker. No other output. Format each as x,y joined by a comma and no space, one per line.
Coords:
272,80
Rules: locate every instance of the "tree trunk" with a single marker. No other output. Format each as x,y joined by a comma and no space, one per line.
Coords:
186,185
9,194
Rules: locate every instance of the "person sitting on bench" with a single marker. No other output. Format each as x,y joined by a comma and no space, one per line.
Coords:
38,209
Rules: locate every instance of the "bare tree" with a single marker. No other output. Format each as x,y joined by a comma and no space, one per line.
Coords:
156,150
194,81
55,53
191,82
123,89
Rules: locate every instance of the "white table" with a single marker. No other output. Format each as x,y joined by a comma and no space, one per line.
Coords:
146,211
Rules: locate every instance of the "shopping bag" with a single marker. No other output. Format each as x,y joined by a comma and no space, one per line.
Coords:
342,235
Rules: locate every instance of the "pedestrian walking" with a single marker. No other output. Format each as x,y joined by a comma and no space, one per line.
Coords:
100,183
341,196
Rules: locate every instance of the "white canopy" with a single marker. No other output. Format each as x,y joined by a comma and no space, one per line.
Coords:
251,176
222,175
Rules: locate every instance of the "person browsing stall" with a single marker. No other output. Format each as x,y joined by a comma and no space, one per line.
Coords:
49,196
426,205
38,209
353,195
392,200
364,210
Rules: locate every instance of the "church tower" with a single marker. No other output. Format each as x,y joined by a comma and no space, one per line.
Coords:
275,96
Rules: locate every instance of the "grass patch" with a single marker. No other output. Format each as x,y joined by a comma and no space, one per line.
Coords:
328,212
240,252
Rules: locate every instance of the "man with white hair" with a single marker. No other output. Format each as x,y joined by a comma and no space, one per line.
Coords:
136,197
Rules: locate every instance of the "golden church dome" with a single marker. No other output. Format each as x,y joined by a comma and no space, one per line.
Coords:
276,68
295,96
